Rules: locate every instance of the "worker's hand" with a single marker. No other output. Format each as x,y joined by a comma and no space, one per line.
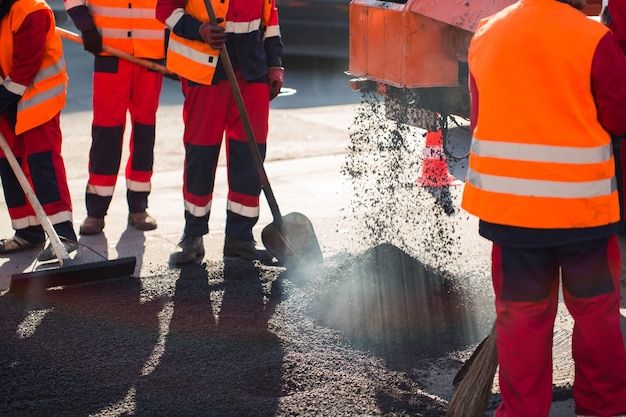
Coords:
92,41
213,35
276,79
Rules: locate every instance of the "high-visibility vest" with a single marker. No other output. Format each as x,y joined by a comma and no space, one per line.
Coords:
130,26
195,60
539,157
45,96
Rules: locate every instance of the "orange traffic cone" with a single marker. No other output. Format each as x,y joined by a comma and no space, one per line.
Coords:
435,165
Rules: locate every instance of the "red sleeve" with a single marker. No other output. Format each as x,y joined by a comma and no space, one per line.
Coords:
608,85
29,44
617,22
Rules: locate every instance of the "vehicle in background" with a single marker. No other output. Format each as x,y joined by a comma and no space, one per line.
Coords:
414,53
316,28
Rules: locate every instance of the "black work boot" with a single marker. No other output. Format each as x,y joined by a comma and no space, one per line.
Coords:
245,249
191,250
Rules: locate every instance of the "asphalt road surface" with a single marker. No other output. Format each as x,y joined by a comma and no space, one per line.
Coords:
379,328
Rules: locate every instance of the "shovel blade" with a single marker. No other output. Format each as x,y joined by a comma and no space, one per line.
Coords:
292,241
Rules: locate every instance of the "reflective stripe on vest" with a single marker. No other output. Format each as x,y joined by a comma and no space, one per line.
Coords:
44,98
130,26
541,153
44,74
546,154
195,60
539,157
541,188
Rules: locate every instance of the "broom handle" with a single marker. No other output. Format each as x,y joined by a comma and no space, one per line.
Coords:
57,247
74,37
256,154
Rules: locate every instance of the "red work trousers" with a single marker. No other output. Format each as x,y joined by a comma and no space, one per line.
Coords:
210,114
121,87
526,284
39,152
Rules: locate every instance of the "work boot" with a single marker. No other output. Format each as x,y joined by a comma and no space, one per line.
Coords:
142,221
48,254
245,249
191,250
91,226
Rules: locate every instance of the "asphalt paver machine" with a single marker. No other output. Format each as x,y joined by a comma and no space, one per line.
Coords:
414,54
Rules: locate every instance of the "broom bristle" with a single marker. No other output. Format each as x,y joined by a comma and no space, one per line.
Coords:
472,395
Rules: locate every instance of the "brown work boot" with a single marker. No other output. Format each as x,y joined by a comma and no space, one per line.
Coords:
245,249
191,250
91,226
142,221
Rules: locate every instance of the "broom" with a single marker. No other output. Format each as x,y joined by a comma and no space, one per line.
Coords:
65,274
476,379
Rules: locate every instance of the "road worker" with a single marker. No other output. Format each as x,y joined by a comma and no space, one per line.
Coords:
33,84
120,86
614,16
547,91
250,32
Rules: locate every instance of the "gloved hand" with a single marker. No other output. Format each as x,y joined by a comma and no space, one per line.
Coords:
92,41
8,103
276,79
213,35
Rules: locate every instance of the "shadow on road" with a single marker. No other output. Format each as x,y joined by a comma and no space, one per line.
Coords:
122,347
219,356
73,351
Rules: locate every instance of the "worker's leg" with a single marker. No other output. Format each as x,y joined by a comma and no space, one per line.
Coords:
244,185
40,149
22,216
144,102
526,291
111,95
204,113
47,172
591,279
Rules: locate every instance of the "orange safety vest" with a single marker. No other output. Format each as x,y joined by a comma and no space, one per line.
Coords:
539,157
195,60
45,97
130,26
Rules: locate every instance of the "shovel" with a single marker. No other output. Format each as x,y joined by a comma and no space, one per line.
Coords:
290,238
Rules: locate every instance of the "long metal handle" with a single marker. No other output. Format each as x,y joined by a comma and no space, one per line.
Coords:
75,37
256,154
57,247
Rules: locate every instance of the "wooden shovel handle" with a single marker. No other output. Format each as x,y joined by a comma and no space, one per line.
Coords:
74,37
